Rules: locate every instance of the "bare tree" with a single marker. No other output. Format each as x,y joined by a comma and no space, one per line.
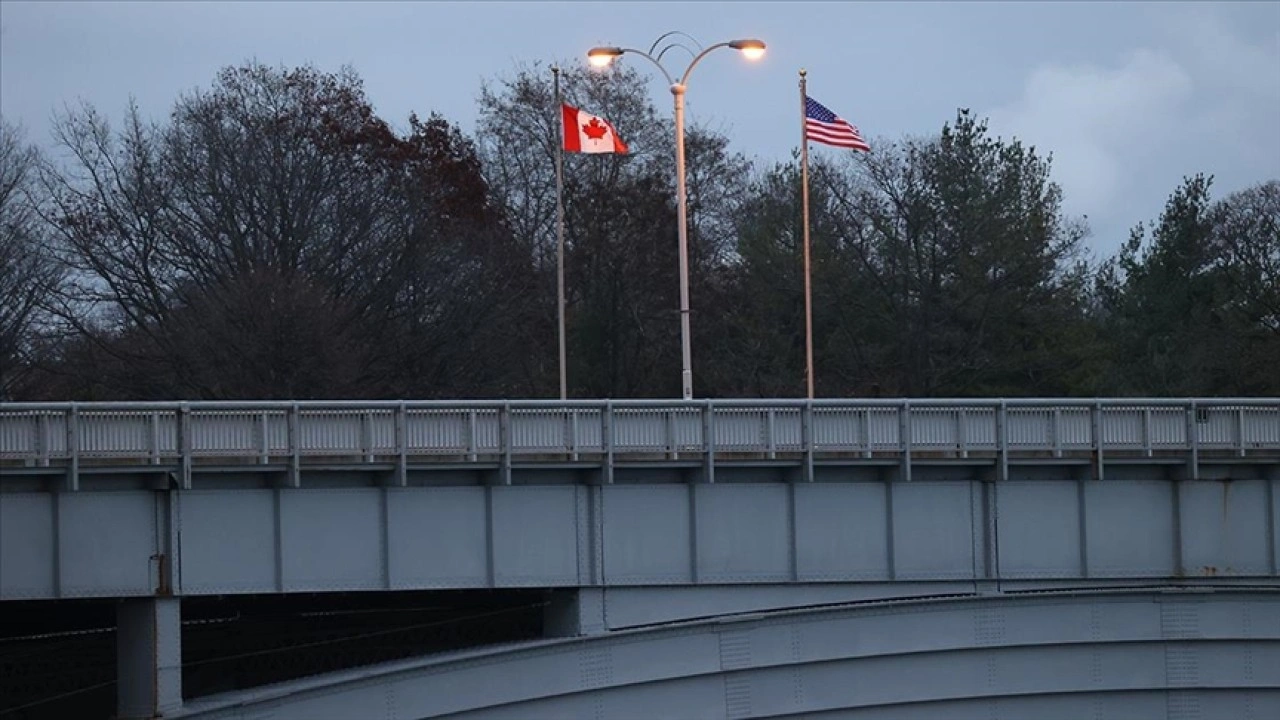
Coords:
277,239
28,273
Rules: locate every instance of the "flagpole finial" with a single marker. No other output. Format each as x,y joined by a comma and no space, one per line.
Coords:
803,72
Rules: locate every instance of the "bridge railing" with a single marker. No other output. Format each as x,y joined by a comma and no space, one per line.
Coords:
42,433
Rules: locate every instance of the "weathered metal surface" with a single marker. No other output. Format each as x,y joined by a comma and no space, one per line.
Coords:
197,542
1130,655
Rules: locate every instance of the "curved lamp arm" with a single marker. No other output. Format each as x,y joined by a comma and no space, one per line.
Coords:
651,59
668,34
747,45
685,79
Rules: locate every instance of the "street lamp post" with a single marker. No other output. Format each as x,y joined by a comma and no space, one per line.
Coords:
600,57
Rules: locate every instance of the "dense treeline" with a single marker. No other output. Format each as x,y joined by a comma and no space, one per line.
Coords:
275,238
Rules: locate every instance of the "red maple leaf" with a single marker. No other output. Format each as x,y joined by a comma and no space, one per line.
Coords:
594,129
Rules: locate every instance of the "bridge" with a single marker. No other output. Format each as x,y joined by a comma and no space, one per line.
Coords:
730,558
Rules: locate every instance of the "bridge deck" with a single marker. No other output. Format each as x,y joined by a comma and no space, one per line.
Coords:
641,512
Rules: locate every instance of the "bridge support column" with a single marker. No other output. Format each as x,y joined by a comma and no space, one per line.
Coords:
148,657
575,612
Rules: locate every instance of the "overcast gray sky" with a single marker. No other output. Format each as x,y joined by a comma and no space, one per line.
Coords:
1129,97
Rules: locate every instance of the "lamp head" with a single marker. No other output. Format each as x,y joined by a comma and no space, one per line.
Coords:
751,48
602,56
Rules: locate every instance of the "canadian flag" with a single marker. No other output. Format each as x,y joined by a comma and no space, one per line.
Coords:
586,133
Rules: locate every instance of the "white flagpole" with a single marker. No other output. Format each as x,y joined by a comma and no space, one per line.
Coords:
559,142
804,201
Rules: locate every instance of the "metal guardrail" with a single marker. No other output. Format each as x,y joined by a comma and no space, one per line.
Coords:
271,431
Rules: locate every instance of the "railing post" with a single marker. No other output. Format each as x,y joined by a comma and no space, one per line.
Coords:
1057,432
155,436
472,452
366,435
1002,441
504,442
771,441
672,444
866,432
295,446
1193,442
573,435
606,440
1240,431
43,441
264,437
73,448
806,436
709,440
402,450
904,438
1099,471
1146,432
962,431
184,446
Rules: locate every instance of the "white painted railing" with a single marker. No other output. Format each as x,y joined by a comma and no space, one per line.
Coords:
44,433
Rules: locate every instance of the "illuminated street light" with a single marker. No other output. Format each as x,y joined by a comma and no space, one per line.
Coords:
601,57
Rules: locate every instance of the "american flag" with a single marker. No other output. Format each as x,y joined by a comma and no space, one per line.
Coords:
822,125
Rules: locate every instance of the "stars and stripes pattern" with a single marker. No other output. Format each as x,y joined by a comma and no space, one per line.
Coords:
822,125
